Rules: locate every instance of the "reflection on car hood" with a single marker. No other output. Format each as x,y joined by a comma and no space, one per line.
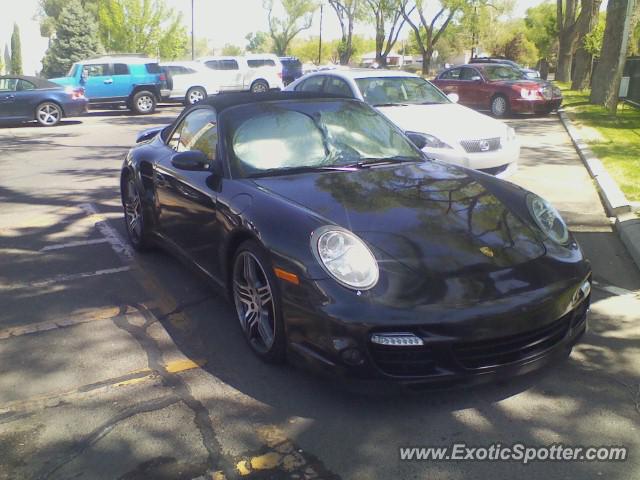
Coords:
447,121
429,217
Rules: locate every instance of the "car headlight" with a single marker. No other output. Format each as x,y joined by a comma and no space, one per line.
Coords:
430,141
345,257
548,219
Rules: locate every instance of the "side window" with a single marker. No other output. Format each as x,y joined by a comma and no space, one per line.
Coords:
24,85
8,84
198,131
337,86
313,84
468,74
453,74
229,65
120,69
213,64
98,70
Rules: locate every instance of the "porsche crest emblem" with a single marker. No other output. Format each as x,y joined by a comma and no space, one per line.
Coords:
487,252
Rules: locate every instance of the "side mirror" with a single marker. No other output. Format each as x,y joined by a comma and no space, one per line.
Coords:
417,139
84,76
193,160
454,97
476,78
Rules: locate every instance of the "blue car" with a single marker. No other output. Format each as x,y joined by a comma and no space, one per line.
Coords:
25,99
136,82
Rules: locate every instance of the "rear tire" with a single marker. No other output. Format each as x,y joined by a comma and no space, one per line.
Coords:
259,86
143,103
48,114
257,301
500,106
195,95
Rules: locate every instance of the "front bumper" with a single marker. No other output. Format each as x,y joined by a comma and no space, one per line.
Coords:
460,350
523,105
502,162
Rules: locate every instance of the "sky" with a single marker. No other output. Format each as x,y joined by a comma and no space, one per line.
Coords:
221,21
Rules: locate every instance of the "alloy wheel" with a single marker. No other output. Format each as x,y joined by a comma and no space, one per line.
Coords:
254,301
48,114
133,211
195,96
145,103
259,87
499,106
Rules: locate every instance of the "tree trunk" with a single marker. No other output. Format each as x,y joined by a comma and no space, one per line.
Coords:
565,57
543,67
426,61
608,72
582,69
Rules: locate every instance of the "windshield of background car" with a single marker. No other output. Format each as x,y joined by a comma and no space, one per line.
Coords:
273,137
385,90
502,72
73,70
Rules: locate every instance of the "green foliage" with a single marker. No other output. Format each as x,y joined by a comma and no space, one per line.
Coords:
1,66
16,52
232,50
50,11
7,58
297,17
202,49
141,26
258,42
541,28
76,39
593,39
307,49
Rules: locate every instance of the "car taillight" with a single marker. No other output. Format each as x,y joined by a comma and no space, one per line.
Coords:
163,77
76,93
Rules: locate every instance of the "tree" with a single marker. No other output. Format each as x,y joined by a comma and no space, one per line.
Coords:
298,15
428,32
141,26
1,66
541,29
50,11
583,58
388,20
346,11
7,58
16,52
231,50
76,38
202,49
258,42
569,25
608,72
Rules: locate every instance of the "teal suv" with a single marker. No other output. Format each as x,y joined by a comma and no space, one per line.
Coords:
136,82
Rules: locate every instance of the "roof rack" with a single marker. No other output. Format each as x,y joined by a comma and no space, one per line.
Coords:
108,55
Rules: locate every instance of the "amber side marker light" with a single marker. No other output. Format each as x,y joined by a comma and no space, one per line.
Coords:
289,277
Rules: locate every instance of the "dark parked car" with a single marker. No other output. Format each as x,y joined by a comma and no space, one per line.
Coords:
291,69
499,88
24,99
342,245
528,72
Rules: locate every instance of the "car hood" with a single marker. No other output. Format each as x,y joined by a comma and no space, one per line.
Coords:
429,218
447,121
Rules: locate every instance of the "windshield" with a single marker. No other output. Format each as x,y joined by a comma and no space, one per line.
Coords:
73,70
274,138
502,72
378,91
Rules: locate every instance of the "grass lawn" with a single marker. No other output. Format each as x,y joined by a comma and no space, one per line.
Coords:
619,144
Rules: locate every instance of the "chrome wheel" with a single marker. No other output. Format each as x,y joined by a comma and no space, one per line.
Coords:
499,106
144,103
259,87
48,114
196,95
254,302
133,212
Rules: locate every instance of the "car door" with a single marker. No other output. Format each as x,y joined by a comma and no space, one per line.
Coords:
99,81
224,77
449,82
187,199
121,80
471,86
8,97
235,74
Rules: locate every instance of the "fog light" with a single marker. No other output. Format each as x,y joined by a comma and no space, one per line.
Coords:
352,356
397,339
585,288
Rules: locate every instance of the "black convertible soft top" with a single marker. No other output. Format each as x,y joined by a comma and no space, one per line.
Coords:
223,101
37,81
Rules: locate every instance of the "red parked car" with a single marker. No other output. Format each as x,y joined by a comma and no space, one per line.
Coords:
499,88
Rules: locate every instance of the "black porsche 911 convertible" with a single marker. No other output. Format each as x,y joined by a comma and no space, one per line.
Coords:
340,244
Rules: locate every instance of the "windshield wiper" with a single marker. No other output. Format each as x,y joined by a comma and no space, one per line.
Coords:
390,104
368,162
292,170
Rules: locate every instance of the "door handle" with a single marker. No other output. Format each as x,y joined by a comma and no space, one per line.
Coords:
108,82
160,180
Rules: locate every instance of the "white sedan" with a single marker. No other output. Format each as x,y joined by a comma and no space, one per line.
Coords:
440,127
190,82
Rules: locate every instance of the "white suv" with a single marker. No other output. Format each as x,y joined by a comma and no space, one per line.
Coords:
257,73
189,82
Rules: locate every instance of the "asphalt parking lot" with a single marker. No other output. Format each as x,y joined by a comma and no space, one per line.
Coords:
116,365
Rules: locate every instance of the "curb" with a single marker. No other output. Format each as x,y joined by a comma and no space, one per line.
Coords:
627,224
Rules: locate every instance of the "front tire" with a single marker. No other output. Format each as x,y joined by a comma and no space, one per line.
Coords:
500,106
137,227
257,302
259,86
195,95
143,103
48,114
